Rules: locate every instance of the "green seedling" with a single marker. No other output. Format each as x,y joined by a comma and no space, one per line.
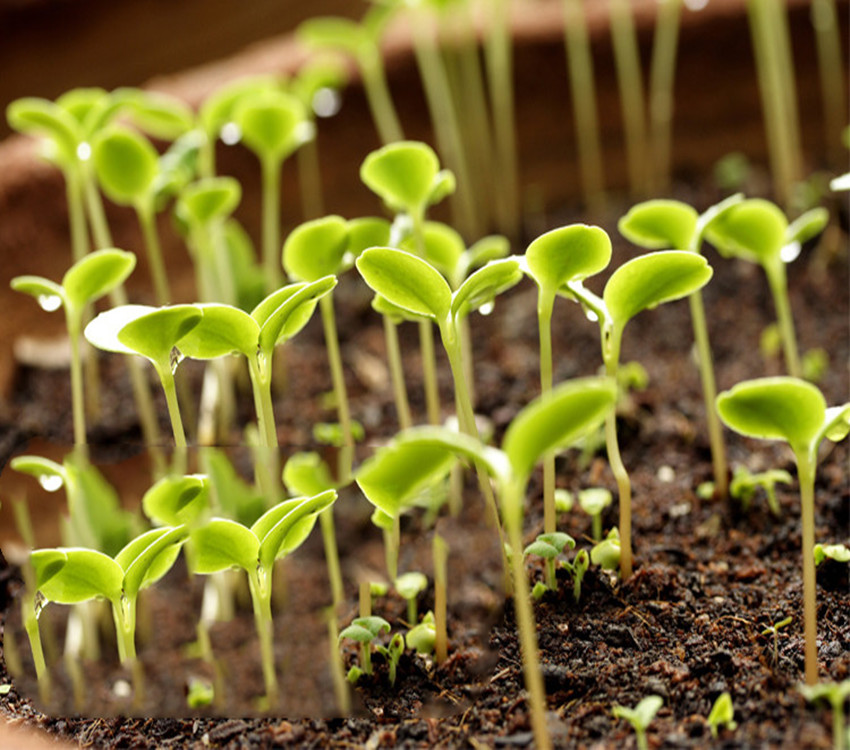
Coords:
668,224
422,638
87,280
757,230
563,500
744,485
563,255
419,457
593,501
221,544
152,333
835,694
641,283
838,552
606,554
577,568
392,654
199,693
722,714
364,630
549,546
792,410
773,630
71,575
178,501
409,586
640,717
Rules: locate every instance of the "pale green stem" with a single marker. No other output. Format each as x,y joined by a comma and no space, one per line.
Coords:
378,96
832,74
343,700
261,599
806,462
271,223
147,221
583,90
310,180
269,473
525,618
640,736
466,353
662,74
124,615
170,390
779,289
33,634
545,304
78,408
429,371
499,61
709,392
402,404
627,60
326,519
76,214
440,555
97,216
326,306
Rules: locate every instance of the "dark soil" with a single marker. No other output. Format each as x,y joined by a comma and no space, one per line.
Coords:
686,626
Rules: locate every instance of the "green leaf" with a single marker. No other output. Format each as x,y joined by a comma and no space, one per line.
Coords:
222,544
149,557
156,333
556,419
85,575
175,500
222,330
837,422
660,225
570,253
82,101
49,294
406,281
160,115
273,123
778,408
50,475
102,331
329,72
208,199
365,232
410,585
594,500
396,314
754,230
649,280
307,474
402,174
97,274
641,716
335,33
293,313
126,164
606,554
233,496
292,529
809,225
365,629
444,247
316,249
483,286
35,116
217,109
46,563
549,546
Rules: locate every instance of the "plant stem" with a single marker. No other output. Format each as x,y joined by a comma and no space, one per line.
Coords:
30,620
271,223
545,305
259,370
580,64
709,392
124,615
402,404
831,67
76,214
440,554
326,305
261,598
662,74
378,96
429,371
806,473
78,408
147,221
343,700
326,519
779,289
310,180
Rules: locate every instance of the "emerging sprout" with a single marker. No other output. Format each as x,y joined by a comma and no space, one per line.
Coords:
423,637
790,409
722,714
836,694
606,554
549,546
640,717
409,586
577,568
838,552
593,501
364,630
744,485
199,693
773,630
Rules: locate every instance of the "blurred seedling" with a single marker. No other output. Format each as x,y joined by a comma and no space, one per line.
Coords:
422,637
640,717
606,554
549,547
364,630
409,586
837,552
835,694
722,714
744,485
577,568
593,501
773,631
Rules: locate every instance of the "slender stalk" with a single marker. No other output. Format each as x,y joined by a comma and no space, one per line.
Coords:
583,90
78,407
343,699
271,223
310,180
378,97
326,306
76,214
429,371
463,334
779,289
627,60
402,404
147,221
662,74
124,615
709,392
170,390
806,473
545,305
365,610
832,75
268,473
440,554
326,519
30,620
261,599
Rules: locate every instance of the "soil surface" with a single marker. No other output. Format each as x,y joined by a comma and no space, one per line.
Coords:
687,625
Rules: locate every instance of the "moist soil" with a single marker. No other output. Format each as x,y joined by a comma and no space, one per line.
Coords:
687,626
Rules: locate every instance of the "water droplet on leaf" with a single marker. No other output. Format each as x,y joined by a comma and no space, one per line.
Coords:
326,102
49,302
231,133
790,252
487,308
50,482
84,151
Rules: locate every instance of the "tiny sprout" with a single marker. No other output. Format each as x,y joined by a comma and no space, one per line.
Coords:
199,693
640,717
838,552
392,653
577,568
549,546
364,630
563,500
722,714
593,501
744,485
409,586
836,694
423,637
606,554
378,588
774,631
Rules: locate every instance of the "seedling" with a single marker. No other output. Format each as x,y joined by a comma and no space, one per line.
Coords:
835,694
69,575
87,280
364,630
773,630
563,255
606,554
577,568
409,586
199,693
790,409
744,486
722,714
221,544
639,284
421,456
756,230
640,717
593,501
838,552
392,654
422,637
549,546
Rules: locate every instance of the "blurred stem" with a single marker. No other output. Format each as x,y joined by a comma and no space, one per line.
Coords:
662,75
271,223
310,180
832,75
779,289
147,221
326,306
440,554
402,404
545,304
261,599
326,519
806,472
378,96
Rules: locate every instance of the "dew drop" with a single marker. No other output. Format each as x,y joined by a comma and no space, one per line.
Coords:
231,133
487,308
49,302
122,689
326,102
590,315
176,359
50,482
695,4
84,151
790,252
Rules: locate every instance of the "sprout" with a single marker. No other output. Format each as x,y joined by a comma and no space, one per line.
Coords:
593,501
549,546
422,637
722,714
392,653
774,631
364,630
744,486
606,554
409,586
640,717
200,693
563,500
792,410
838,552
87,280
221,544
577,568
836,694
641,283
